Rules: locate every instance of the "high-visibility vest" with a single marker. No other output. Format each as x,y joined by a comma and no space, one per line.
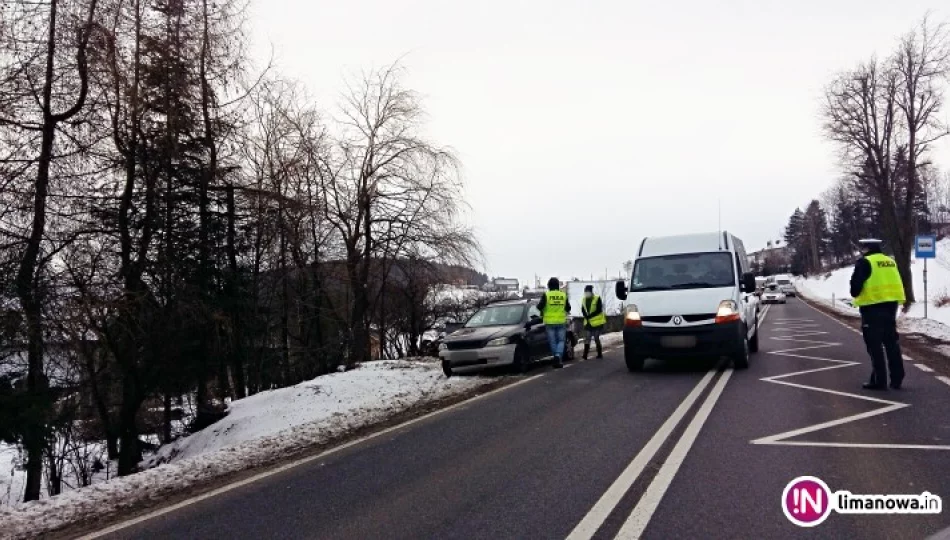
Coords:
885,283
597,320
554,306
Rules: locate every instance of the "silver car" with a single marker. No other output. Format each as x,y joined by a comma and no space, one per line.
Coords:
774,294
506,333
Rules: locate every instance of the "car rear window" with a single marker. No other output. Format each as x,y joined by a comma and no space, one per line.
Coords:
496,316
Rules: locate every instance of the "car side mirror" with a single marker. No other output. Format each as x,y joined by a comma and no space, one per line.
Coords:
532,322
621,290
748,282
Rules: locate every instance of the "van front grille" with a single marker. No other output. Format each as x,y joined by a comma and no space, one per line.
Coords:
699,317
662,319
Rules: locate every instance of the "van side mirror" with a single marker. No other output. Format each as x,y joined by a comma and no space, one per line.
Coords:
621,290
532,322
748,282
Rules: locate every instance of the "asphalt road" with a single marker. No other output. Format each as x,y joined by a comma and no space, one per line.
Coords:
593,451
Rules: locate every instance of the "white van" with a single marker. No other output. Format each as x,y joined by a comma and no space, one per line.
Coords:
784,282
690,296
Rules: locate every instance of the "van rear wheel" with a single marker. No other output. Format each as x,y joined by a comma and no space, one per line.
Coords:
634,361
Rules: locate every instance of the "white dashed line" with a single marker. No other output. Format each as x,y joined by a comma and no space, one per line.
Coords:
924,368
945,380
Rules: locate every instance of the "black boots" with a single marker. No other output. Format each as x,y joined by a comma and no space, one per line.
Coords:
557,363
600,353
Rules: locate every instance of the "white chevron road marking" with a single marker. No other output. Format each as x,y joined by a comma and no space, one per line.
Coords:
799,331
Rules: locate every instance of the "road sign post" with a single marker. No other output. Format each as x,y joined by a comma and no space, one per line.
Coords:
925,247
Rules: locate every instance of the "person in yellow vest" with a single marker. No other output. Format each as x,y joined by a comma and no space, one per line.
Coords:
554,309
592,309
878,292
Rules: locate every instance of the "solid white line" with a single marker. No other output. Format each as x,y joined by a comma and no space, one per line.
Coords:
640,517
282,468
884,446
609,500
924,368
945,380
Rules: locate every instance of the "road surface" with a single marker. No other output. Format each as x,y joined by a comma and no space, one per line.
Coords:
594,451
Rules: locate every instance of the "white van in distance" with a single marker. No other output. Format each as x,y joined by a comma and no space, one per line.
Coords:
690,296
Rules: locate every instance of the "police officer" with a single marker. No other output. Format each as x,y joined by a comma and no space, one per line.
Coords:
592,309
554,308
878,292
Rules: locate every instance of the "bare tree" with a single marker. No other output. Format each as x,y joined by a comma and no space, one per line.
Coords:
884,116
387,191
49,77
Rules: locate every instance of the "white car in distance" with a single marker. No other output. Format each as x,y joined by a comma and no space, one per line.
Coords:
774,294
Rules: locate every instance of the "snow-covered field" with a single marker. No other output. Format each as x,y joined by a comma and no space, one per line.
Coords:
258,430
835,286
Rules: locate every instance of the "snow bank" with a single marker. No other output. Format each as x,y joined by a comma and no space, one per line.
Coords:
258,430
836,285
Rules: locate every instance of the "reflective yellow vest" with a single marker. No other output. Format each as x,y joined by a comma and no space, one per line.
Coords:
554,306
598,320
884,285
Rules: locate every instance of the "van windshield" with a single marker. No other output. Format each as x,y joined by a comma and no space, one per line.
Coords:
686,271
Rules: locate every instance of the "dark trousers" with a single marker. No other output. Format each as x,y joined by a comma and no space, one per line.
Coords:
879,328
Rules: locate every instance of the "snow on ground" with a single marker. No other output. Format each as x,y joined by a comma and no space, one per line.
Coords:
258,430
11,477
836,286
606,340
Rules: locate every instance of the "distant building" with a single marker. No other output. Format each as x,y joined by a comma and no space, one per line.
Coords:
771,259
506,285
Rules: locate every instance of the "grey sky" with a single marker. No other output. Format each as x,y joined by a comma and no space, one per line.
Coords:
604,121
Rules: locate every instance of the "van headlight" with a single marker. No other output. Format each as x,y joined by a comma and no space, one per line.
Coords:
728,312
497,342
443,346
631,316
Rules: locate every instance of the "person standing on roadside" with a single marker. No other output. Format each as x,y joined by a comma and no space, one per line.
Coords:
554,309
878,292
592,309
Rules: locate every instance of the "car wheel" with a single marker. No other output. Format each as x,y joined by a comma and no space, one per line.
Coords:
569,345
634,361
754,342
446,368
522,363
741,358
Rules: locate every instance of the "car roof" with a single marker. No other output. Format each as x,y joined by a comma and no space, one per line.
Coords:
515,302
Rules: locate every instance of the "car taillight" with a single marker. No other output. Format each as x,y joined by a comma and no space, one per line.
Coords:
728,312
631,316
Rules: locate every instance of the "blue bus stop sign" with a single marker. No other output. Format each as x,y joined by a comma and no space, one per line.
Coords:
925,247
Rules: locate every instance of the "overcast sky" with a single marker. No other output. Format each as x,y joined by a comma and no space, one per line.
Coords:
583,126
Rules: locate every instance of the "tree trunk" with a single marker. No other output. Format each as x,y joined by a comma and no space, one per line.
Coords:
26,282
130,454
166,418
54,474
